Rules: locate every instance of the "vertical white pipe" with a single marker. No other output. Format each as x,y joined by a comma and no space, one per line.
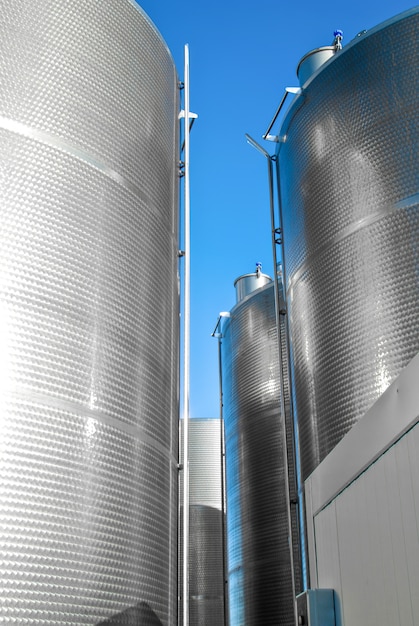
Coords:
186,346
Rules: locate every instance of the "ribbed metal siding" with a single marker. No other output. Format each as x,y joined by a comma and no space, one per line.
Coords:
350,193
259,572
88,305
206,541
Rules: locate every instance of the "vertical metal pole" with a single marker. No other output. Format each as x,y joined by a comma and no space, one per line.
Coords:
222,448
281,380
300,484
269,159
186,346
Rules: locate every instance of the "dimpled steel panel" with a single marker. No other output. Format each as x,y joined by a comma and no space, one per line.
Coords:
206,523
259,571
88,306
350,194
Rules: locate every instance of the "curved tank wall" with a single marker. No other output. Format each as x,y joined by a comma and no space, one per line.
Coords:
259,564
207,523
350,196
88,306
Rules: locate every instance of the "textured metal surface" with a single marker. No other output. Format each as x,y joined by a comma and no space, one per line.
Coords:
259,571
88,309
138,614
206,523
350,194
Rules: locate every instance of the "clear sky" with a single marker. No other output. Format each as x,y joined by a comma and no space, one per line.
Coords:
242,56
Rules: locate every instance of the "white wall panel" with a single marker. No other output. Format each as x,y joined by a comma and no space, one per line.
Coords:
353,556
365,535
413,448
412,507
397,538
383,593
407,485
327,548
367,546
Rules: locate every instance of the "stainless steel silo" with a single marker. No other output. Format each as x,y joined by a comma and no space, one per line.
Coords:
258,534
207,523
350,198
88,301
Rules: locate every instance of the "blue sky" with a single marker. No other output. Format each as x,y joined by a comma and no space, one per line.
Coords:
242,56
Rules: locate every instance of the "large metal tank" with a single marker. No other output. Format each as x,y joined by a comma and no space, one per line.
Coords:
258,541
350,199
206,523
88,305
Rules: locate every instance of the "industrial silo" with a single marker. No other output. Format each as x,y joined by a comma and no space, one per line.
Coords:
89,315
348,160
260,576
207,575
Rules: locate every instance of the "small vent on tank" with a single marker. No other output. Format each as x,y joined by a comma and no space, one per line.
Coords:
249,282
314,59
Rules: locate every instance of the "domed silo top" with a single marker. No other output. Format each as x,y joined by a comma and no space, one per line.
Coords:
248,283
313,60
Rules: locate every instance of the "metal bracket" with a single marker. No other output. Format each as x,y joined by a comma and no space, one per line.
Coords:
218,325
278,236
192,118
277,138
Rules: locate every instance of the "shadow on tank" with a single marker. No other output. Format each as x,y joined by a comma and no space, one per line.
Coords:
139,615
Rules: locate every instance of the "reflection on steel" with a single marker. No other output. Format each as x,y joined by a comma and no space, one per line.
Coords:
349,178
259,568
313,61
249,282
206,523
139,614
88,359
